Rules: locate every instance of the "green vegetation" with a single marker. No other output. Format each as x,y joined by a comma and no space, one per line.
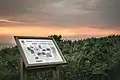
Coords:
88,59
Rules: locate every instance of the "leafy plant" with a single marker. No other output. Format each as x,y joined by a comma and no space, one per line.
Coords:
88,59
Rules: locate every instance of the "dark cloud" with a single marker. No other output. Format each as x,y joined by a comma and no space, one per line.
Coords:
63,12
12,7
111,12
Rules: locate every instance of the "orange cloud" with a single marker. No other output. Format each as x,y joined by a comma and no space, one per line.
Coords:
64,31
9,21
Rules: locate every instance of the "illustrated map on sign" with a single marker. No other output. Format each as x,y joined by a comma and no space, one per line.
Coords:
40,51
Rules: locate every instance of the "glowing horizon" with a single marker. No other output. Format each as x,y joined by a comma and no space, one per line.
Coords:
65,31
72,32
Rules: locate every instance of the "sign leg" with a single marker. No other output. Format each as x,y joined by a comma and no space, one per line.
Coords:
25,73
21,69
38,76
55,74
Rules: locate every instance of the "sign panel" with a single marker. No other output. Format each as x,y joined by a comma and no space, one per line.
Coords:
39,51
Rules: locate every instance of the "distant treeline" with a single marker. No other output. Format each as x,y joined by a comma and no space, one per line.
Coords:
88,59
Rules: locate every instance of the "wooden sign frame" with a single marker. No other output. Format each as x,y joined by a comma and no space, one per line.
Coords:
25,67
24,71
30,66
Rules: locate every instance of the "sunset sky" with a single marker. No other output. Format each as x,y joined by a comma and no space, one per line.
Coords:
73,19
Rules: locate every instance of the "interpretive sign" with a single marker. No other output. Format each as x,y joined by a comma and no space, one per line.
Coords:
39,51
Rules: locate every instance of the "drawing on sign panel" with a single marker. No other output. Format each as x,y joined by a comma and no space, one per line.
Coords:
39,51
